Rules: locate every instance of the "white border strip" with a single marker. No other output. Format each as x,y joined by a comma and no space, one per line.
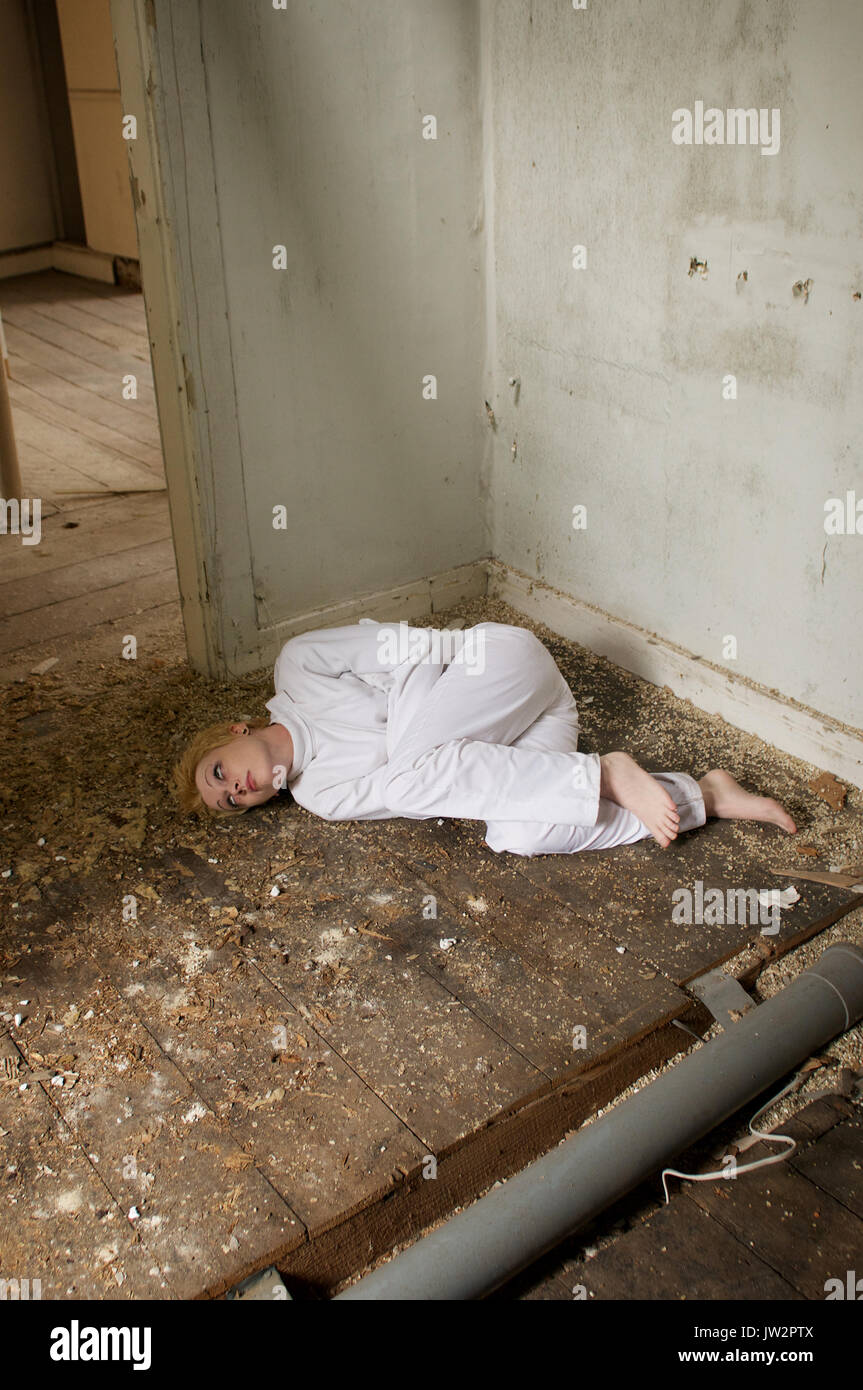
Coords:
805,733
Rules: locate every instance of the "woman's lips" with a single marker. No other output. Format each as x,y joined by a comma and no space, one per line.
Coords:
250,782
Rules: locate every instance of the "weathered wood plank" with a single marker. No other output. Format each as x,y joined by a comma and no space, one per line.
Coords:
43,405
106,466
104,382
109,303
37,594
522,961
313,1127
65,619
835,1165
114,525
66,325
59,1222
788,1222
629,894
42,476
678,1253
130,424
158,1147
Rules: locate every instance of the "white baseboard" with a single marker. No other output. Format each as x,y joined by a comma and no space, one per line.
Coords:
59,255
24,262
803,732
81,260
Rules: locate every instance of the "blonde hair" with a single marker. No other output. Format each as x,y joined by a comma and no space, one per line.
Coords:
191,801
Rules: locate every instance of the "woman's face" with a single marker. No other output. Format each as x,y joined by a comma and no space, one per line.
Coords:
240,773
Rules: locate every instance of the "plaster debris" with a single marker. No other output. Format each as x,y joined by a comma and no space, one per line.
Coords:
778,897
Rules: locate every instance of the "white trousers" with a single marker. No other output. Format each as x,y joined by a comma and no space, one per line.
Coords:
503,739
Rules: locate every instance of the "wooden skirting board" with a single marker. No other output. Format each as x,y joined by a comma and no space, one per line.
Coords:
59,255
796,729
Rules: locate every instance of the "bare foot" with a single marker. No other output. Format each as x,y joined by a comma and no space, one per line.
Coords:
623,781
726,798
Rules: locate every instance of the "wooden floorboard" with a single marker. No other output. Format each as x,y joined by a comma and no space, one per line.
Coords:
116,524
59,587
105,382
726,861
92,458
129,424
44,407
835,1166
157,1145
774,1233
284,1068
54,1198
67,326
157,584
61,465
57,484
334,1045
102,303
680,1253
792,1225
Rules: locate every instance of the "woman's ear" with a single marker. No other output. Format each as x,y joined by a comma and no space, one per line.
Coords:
239,728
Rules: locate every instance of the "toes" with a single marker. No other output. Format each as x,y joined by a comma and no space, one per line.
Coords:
664,831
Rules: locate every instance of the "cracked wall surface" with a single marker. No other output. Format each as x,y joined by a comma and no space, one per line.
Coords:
706,270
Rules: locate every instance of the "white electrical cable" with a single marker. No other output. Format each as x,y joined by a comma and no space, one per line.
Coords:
734,1171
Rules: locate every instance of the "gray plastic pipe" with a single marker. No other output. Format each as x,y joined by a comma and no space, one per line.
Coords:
513,1225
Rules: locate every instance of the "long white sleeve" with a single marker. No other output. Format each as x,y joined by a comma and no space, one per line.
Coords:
466,779
490,781
354,798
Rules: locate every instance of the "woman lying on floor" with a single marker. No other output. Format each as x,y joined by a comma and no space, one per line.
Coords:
378,720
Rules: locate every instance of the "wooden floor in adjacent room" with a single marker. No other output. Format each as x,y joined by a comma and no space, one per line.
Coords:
229,1045
91,456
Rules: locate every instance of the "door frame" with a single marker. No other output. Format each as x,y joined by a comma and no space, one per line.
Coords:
163,84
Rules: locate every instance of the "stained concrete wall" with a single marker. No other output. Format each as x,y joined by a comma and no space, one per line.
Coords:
315,117
705,516
453,257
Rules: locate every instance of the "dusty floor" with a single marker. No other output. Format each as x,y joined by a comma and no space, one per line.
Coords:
229,1073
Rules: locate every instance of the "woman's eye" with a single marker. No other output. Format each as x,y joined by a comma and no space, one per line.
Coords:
232,803
217,771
